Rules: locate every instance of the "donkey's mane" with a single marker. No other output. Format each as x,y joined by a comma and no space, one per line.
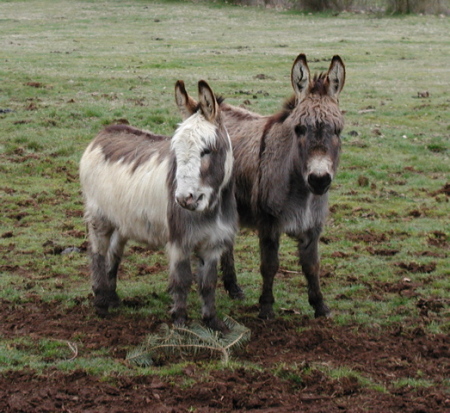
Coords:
289,105
317,87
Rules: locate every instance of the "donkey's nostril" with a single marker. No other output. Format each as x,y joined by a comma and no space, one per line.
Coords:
319,184
187,201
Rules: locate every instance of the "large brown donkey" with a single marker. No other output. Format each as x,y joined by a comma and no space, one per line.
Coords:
284,166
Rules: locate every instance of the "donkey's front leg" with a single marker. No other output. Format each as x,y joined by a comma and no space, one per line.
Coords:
229,274
207,282
308,246
180,282
269,243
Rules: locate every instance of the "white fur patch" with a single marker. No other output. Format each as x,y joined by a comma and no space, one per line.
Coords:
191,138
298,220
320,165
228,165
135,202
176,254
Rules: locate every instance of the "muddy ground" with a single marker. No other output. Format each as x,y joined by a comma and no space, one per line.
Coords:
291,353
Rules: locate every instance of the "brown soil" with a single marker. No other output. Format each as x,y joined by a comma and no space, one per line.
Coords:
296,356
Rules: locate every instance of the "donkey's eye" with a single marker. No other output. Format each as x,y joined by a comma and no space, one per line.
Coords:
205,152
300,130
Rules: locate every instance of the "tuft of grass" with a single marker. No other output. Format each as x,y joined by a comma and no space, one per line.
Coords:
293,372
413,383
36,354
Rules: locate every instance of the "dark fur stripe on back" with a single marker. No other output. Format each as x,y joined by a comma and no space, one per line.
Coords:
120,128
131,145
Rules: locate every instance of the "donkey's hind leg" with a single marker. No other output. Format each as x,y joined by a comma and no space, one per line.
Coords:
229,274
113,258
100,231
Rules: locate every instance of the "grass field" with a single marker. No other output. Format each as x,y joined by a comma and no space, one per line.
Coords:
68,68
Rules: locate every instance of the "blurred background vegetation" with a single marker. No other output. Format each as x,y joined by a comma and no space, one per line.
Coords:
377,6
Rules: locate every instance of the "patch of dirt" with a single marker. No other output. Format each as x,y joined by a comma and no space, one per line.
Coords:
444,190
144,269
438,239
369,237
55,249
35,84
414,267
295,355
385,252
433,304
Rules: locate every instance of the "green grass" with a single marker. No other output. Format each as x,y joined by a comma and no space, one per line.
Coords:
412,382
67,71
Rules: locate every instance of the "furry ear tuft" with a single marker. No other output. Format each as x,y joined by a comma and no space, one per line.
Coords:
185,103
336,76
300,76
207,100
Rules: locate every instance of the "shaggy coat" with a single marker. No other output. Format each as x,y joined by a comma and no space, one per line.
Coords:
176,192
284,166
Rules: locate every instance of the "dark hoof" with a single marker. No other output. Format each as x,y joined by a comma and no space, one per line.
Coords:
115,303
102,312
103,302
179,322
322,311
266,313
215,324
236,293
179,318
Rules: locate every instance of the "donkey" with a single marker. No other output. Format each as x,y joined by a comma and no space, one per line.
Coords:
176,192
284,166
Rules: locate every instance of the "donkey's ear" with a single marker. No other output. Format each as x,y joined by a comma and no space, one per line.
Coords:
300,76
208,103
336,76
185,103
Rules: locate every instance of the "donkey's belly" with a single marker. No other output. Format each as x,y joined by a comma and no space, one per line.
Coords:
152,232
